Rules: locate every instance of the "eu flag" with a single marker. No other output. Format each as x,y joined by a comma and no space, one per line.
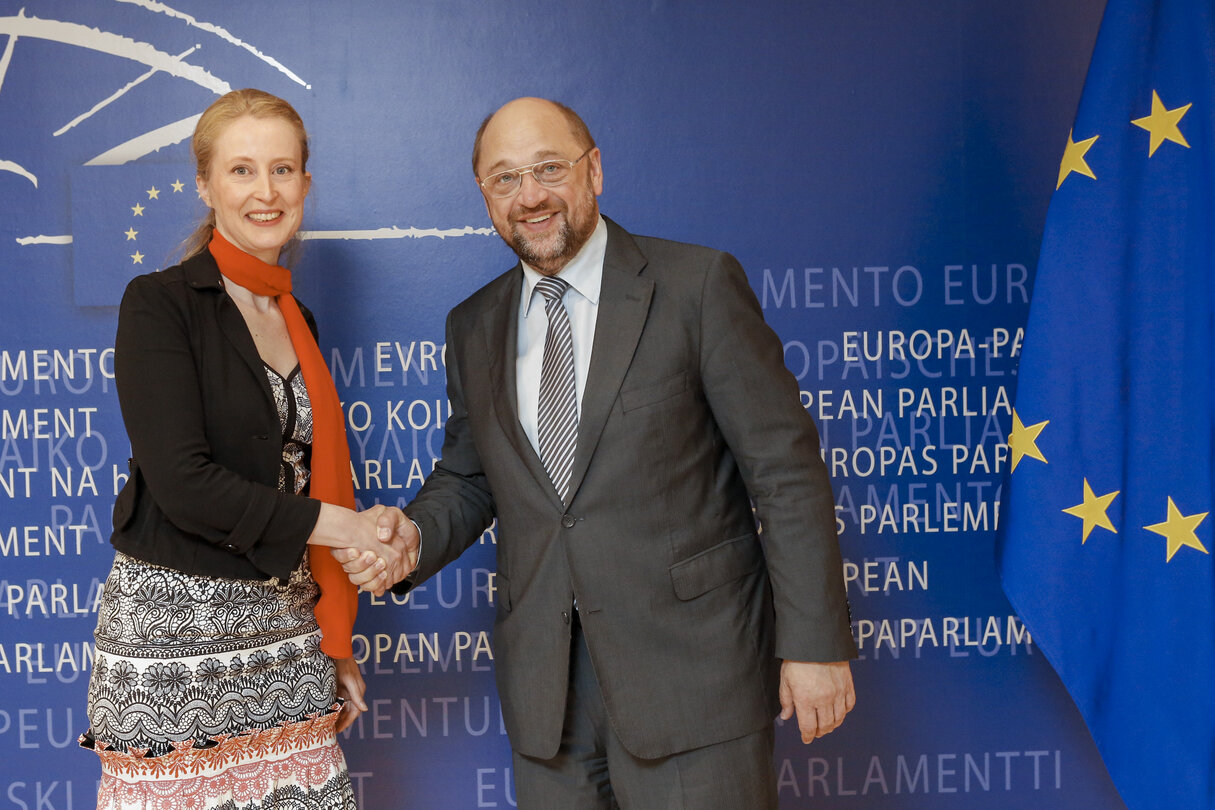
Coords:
1107,547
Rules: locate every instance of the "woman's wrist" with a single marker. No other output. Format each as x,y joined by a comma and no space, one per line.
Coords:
336,527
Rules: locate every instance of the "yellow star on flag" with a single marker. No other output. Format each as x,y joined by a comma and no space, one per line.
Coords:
137,257
178,186
131,233
1162,124
1073,159
137,209
1179,530
1022,441
1092,511
153,193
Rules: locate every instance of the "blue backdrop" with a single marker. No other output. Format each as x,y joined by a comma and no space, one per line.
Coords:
882,170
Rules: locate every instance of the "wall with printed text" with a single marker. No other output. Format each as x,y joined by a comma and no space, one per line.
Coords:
882,170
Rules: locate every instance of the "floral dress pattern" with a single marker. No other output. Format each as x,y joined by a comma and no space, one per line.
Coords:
214,693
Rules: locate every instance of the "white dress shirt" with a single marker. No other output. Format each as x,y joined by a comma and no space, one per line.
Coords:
584,274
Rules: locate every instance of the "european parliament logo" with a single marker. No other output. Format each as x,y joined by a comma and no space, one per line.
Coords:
126,221
132,81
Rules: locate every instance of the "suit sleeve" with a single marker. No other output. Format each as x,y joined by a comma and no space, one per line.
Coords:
162,401
756,403
455,504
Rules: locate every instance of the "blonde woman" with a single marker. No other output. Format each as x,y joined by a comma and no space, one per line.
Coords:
224,631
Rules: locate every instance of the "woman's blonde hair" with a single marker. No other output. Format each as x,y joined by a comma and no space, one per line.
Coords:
226,109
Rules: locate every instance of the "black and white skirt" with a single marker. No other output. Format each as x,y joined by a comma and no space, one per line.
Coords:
213,694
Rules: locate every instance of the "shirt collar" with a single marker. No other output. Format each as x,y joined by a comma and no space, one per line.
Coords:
584,272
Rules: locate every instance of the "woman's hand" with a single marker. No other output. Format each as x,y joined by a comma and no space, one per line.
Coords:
371,571
342,528
350,687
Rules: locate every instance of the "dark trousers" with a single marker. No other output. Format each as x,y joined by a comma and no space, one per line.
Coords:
593,771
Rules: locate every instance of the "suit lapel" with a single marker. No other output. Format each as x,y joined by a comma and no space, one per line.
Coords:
500,326
202,272
624,303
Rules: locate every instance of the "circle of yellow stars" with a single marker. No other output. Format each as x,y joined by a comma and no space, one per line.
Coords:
137,211
1177,529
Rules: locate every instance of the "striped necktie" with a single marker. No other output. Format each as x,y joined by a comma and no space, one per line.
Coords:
557,413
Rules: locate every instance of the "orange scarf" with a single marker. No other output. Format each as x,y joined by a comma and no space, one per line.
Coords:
331,481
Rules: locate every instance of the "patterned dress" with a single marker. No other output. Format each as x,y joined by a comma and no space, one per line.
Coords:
213,693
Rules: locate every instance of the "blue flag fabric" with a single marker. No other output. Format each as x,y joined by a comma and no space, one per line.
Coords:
1106,552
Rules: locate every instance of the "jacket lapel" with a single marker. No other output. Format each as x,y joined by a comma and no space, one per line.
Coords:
202,272
624,303
500,327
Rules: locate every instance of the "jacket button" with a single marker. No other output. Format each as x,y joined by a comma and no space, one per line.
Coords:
230,547
568,521
565,616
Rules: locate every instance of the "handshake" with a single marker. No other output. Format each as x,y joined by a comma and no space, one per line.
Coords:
377,547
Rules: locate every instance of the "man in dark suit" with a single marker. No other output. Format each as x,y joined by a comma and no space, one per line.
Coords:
645,635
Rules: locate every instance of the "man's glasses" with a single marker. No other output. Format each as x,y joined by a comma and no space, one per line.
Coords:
551,172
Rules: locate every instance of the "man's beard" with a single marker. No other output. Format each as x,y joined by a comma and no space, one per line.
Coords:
551,252
554,249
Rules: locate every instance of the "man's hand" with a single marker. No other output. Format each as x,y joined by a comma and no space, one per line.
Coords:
376,573
821,694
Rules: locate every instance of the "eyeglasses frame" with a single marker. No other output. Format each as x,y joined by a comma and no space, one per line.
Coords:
531,169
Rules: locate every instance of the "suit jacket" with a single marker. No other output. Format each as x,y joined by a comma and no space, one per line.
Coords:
688,415
205,434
